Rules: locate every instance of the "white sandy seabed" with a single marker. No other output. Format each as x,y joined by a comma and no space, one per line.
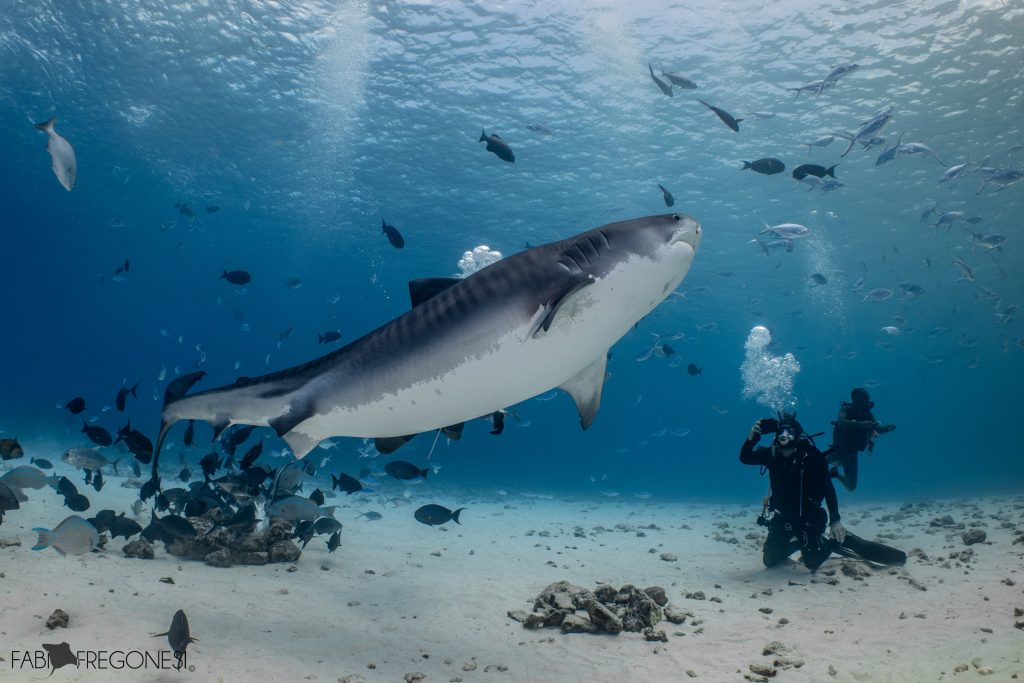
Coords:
400,601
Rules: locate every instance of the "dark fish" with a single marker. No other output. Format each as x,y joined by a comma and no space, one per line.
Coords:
801,172
185,209
766,166
176,526
334,541
252,455
122,526
281,336
818,279
184,475
138,443
346,483
432,515
11,449
122,396
317,496
304,532
212,208
327,525
162,503
236,277
237,438
663,85
178,636
190,433
395,237
102,520
210,463
8,499
97,481
75,405
498,146
149,488
726,117
65,487
679,81
98,435
77,502
328,337
399,469
154,532
694,370
124,268
42,463
499,422
667,196
88,477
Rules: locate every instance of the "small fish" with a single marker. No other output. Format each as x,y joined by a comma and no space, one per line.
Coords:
295,508
954,172
371,516
539,128
122,396
678,80
663,85
813,86
190,433
433,515
178,636
801,172
73,536
878,294
909,289
892,330
694,370
767,166
870,128
317,497
818,280
498,146
185,210
667,196
787,231
988,242
62,155
328,337
98,435
346,483
1002,177
726,117
97,481
210,463
42,463
823,141
334,541
394,237
327,525
965,270
185,475
75,405
293,283
236,277
399,469
281,336
122,526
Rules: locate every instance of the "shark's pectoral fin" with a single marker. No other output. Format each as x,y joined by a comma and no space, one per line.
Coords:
585,388
561,296
390,444
300,444
454,432
428,287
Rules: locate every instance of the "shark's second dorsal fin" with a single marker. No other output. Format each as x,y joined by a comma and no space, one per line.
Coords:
428,287
585,388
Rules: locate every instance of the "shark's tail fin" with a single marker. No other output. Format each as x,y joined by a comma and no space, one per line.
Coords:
47,126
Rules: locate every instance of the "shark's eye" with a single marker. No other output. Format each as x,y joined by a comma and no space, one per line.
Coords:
676,217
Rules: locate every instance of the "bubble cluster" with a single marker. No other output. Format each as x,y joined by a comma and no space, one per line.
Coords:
768,378
473,261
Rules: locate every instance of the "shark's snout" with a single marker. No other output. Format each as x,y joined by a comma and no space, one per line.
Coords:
687,231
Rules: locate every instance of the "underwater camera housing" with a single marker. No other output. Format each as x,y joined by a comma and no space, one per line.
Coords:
769,425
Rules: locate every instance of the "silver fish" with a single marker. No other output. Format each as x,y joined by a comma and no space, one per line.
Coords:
787,231
662,84
295,508
1003,178
87,459
26,477
73,536
65,167
870,128
878,294
965,270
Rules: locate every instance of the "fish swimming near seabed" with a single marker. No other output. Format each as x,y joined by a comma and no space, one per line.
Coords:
522,326
62,154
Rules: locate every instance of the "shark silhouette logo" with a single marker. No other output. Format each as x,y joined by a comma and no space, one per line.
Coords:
60,655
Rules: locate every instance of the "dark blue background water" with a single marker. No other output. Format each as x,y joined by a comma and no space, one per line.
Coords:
307,125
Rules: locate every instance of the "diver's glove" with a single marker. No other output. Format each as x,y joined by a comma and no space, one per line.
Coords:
838,532
755,433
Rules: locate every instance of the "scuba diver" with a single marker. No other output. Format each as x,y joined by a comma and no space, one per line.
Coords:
855,430
799,481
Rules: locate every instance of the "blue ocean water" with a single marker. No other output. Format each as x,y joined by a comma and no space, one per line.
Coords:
307,123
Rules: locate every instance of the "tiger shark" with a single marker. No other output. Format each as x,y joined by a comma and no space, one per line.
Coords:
540,319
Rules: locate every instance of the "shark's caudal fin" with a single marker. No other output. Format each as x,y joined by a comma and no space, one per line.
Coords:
585,388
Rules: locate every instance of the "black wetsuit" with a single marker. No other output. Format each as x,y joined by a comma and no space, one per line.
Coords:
799,484
854,431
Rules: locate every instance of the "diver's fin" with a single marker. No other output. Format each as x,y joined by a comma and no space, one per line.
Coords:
425,288
878,553
555,304
585,388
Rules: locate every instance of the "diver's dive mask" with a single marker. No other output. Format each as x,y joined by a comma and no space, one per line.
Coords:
786,436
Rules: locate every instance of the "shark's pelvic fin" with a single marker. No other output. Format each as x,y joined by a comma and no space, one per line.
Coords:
585,388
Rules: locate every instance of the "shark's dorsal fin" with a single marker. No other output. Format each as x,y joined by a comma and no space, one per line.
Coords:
551,309
426,288
178,387
585,388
